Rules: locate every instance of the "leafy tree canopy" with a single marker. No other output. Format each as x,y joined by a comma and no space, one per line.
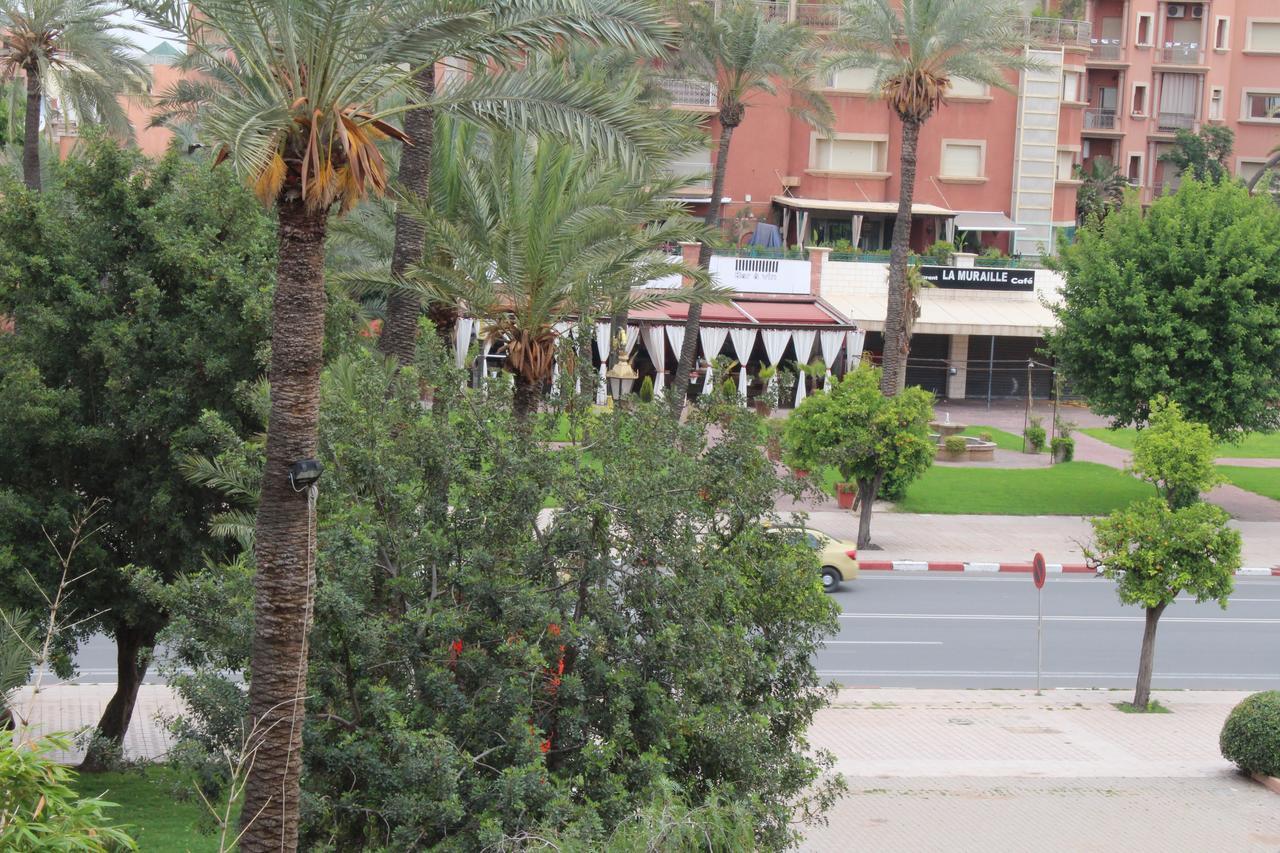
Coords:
1205,156
1175,455
1181,301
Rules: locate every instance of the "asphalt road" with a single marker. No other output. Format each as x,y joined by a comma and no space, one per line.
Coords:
948,631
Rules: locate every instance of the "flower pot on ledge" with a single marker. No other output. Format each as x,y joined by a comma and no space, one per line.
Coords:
846,493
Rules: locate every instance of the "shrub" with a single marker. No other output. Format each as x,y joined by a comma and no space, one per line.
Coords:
955,445
728,389
984,436
1251,735
646,389
1065,446
940,252
1035,435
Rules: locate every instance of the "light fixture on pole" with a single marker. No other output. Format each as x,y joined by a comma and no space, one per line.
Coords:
622,372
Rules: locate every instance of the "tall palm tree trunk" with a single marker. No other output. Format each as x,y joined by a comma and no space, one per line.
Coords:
285,536
400,330
31,133
897,337
525,399
730,116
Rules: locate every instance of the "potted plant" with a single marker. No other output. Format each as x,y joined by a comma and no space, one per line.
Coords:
846,494
955,448
646,390
785,385
1064,449
767,399
773,439
1033,437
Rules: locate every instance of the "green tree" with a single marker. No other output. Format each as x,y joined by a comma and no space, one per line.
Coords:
915,48
1182,300
865,435
1155,554
1101,190
528,234
1175,455
484,670
78,49
746,53
1205,156
141,293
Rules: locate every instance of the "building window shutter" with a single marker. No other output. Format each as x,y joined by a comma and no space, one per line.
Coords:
962,161
1264,36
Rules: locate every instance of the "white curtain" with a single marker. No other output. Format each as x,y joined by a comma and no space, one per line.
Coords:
1179,93
712,340
462,340
775,344
561,330
853,355
655,341
830,343
743,342
602,350
804,349
857,230
628,347
675,334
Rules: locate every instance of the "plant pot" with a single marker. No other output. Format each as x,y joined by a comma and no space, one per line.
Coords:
799,473
845,495
763,409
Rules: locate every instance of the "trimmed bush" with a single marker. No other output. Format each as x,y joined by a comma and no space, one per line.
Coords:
1035,436
984,436
646,390
955,445
1063,448
1251,735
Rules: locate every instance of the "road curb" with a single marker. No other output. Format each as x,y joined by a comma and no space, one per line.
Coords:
916,566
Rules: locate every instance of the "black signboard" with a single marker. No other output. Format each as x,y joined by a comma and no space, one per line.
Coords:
980,278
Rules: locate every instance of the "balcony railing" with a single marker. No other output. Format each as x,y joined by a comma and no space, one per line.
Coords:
1054,31
690,93
823,16
1107,50
1176,121
1181,54
1095,119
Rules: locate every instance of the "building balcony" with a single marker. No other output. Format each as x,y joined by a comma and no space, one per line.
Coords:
1176,54
1054,31
1106,50
1173,122
690,93
1096,119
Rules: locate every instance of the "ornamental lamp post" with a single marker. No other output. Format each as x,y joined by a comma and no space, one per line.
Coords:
622,372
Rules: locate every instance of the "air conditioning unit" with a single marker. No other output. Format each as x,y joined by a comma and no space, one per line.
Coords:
1177,10
1197,12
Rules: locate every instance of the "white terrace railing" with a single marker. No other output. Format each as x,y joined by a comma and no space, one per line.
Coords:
690,93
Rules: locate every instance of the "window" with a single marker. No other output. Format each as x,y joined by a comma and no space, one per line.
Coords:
1066,165
857,156
1222,34
1139,99
1262,106
963,159
962,88
1146,27
1247,170
1134,170
851,80
1215,103
1071,86
1264,37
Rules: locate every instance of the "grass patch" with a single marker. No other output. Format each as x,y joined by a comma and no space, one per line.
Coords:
1153,707
156,818
1260,481
1256,445
1072,488
1003,440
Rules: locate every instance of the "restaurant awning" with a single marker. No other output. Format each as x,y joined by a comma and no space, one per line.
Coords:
883,207
985,220
958,313
750,309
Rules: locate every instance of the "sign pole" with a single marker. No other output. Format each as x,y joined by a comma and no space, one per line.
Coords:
1038,574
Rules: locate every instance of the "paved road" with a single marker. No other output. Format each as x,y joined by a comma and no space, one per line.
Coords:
939,630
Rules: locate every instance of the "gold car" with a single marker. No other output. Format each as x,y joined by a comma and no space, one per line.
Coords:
838,557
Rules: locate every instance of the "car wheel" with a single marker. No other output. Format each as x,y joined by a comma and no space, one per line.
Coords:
830,579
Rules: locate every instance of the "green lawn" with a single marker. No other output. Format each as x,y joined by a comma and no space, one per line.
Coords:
1257,445
1072,488
149,805
1262,481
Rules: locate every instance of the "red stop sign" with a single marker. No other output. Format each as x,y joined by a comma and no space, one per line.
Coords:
1038,570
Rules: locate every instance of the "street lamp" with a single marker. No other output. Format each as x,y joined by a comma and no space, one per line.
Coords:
622,372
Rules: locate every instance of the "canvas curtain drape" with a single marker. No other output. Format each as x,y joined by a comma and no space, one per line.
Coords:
655,341
853,355
775,344
804,349
830,344
743,342
602,351
712,340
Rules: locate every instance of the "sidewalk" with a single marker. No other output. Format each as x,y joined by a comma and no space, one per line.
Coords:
996,771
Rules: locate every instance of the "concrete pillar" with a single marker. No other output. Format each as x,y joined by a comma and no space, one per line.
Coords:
958,372
817,260
689,254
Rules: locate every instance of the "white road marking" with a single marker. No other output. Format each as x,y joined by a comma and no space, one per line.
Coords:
920,673
998,617
882,642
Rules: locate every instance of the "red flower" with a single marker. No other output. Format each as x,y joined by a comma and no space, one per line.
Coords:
553,629
546,746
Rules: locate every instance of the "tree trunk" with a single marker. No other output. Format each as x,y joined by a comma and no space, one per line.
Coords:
867,491
897,340
525,399
400,330
1272,162
285,537
730,116
131,669
1146,663
31,132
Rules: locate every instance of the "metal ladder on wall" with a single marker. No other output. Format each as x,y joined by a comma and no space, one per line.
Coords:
1035,156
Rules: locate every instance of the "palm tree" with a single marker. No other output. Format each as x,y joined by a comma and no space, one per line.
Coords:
745,53
915,48
77,50
1101,191
526,234
515,29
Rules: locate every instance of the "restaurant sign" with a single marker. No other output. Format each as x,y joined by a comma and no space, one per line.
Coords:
980,278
